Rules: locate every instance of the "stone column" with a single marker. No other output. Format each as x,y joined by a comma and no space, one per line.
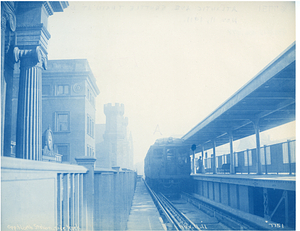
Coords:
29,117
31,41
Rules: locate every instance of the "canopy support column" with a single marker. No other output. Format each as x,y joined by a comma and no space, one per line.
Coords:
232,170
257,138
214,158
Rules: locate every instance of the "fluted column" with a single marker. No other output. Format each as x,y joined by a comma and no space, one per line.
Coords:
8,26
29,118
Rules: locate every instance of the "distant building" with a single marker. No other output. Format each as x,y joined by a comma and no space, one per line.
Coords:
114,147
68,91
103,160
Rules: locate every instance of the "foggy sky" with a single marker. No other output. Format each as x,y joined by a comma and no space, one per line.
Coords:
170,63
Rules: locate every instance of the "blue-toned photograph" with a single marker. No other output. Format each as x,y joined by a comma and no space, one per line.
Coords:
148,116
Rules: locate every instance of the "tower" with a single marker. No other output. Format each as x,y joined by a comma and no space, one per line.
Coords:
115,135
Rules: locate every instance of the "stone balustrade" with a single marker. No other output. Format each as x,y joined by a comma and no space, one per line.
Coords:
54,196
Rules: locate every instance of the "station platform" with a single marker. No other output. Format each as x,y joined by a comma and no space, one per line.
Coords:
274,181
143,214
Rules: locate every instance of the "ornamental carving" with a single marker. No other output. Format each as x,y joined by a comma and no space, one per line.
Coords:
35,56
9,18
77,87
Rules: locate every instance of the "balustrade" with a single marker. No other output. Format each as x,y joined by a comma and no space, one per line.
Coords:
58,194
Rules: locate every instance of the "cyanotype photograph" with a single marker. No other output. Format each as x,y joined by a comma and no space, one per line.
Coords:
148,116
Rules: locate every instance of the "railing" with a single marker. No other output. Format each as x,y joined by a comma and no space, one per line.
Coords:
41,195
114,191
45,195
275,159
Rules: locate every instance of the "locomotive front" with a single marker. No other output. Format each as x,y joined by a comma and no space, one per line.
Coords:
167,166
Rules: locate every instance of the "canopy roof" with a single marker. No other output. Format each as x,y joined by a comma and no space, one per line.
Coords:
268,98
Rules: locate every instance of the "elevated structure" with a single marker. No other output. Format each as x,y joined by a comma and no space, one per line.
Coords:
265,102
69,91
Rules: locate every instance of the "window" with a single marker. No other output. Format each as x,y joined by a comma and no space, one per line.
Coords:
224,159
158,153
236,159
92,128
170,154
88,93
62,89
90,124
63,149
293,151
285,152
62,121
265,154
248,157
90,151
208,162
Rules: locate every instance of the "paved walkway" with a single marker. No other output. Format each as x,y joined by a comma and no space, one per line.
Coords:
143,214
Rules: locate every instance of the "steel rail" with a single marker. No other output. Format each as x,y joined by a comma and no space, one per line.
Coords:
183,221
160,206
177,219
221,216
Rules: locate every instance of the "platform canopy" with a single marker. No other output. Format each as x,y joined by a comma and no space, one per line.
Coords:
268,98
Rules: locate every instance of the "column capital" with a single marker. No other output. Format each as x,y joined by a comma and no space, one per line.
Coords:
36,56
7,16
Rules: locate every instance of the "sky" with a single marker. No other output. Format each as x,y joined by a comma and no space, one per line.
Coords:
171,63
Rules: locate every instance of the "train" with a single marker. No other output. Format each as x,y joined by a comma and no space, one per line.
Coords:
167,165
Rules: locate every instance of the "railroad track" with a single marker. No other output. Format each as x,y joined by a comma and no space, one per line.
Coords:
224,217
174,219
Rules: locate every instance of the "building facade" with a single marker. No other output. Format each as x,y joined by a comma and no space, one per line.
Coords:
69,90
24,40
114,146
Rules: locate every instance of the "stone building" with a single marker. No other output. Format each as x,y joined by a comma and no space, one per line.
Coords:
24,40
69,90
114,147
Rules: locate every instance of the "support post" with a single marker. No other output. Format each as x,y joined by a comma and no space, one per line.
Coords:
248,167
117,199
289,157
286,208
88,189
232,170
193,148
202,167
76,199
59,200
257,138
265,156
193,168
214,158
266,204
66,201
